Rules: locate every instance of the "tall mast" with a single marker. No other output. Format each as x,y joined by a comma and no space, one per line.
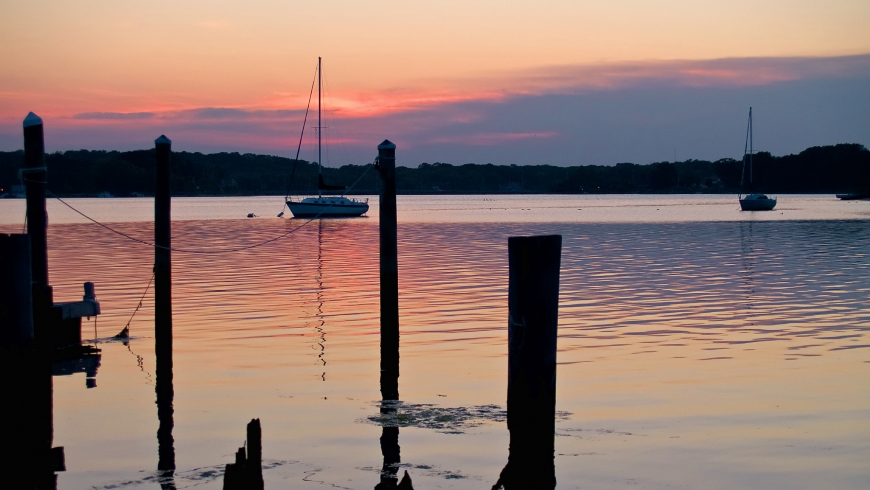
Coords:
320,127
750,149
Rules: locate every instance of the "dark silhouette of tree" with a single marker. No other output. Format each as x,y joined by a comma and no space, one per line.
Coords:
823,169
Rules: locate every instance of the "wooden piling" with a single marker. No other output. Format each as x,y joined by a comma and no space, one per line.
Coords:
34,184
533,304
389,272
27,459
16,306
163,307
255,455
34,174
247,471
162,253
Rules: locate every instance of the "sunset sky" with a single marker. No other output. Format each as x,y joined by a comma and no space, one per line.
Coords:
507,82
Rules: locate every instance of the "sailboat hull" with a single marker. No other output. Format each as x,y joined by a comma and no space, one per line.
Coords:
756,202
327,207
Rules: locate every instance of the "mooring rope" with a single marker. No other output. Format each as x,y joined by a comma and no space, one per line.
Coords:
182,250
125,332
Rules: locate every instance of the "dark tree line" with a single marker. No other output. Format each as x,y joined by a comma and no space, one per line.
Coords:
826,169
128,173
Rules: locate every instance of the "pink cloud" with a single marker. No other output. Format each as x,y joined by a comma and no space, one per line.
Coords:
427,94
431,112
726,72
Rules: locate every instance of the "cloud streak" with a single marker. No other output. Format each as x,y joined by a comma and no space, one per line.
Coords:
113,116
566,115
490,139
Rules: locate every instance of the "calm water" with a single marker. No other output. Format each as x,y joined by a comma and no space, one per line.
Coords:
699,347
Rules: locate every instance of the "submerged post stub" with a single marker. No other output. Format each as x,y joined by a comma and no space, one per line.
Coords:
247,472
533,317
389,272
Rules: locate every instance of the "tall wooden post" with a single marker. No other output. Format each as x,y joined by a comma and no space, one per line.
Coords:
33,174
34,184
163,307
162,253
533,304
389,273
26,458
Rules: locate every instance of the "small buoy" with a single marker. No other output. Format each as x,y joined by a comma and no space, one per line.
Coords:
252,215
281,214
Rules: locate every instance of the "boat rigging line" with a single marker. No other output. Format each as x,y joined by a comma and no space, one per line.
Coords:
301,134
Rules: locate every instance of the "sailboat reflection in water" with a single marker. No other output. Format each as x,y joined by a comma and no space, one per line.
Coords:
324,206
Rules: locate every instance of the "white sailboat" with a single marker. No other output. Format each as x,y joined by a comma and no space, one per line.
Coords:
325,206
752,201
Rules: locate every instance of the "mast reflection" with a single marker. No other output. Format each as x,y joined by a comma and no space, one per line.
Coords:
747,255
321,342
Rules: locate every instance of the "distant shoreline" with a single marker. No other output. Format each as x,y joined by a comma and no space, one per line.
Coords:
842,168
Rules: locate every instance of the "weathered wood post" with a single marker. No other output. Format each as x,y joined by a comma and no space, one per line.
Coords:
162,254
34,184
389,273
255,455
53,324
247,472
390,449
163,306
33,174
533,304
27,459
16,305
23,454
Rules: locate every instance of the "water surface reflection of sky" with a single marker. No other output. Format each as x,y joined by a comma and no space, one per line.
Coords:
695,354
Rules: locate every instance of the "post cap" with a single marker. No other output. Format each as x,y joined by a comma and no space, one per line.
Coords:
32,120
387,145
162,140
89,291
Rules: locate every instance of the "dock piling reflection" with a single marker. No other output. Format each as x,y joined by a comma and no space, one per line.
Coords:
27,458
